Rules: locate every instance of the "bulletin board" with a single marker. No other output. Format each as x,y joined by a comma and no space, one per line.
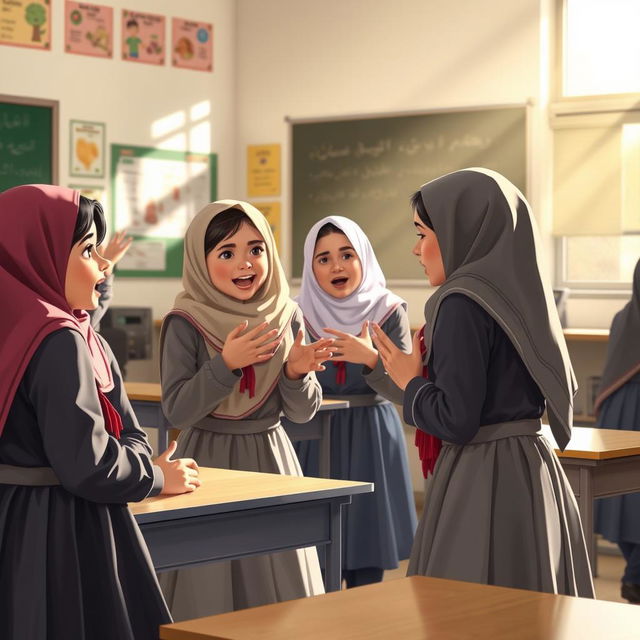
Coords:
367,167
155,195
28,141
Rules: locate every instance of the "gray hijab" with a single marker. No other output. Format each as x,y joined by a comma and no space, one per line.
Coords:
623,352
491,253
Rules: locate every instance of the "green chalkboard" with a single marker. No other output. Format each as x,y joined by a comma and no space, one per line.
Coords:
367,168
28,141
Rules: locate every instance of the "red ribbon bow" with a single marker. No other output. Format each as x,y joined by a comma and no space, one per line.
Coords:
248,381
341,372
428,446
112,419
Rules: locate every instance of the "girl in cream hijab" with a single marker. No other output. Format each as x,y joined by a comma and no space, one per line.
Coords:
499,509
233,359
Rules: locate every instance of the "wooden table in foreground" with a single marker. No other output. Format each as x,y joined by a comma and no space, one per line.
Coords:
420,608
235,514
599,463
145,400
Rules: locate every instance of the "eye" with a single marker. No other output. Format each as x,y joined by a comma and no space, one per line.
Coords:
420,235
256,251
347,256
226,255
322,260
87,252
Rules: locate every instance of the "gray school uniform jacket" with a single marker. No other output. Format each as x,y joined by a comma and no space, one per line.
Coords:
193,385
73,563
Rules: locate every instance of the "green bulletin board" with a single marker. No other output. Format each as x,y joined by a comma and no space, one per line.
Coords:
28,141
155,195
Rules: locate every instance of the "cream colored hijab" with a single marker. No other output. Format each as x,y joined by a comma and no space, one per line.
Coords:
214,314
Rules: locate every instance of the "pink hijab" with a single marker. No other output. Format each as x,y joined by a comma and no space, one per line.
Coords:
36,230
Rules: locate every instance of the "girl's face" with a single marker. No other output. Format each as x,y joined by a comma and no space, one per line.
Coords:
85,270
238,265
428,253
336,265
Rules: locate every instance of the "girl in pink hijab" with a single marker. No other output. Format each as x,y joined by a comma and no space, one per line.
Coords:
72,561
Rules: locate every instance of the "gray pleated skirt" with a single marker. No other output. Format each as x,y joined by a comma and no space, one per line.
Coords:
237,584
499,510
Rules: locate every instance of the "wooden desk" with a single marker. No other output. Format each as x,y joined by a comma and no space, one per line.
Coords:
420,608
599,463
145,400
235,514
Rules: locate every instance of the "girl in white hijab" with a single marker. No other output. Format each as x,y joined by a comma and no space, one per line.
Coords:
499,508
343,290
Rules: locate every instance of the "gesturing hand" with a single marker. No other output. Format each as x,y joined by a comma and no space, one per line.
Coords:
401,367
181,475
252,347
357,349
117,247
306,357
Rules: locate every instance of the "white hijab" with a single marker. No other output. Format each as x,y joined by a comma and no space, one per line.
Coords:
370,301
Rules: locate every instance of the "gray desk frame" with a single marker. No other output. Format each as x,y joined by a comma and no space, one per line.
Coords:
150,415
199,535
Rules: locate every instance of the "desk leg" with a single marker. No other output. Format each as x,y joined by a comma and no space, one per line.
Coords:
333,551
585,506
324,462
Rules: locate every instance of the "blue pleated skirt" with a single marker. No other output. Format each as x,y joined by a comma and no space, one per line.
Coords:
368,445
618,518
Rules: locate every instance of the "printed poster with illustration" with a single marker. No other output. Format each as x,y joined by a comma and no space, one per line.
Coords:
192,45
26,23
156,194
271,211
87,149
143,37
88,29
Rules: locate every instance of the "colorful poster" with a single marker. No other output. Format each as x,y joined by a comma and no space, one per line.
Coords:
26,23
86,148
271,211
192,45
155,195
143,38
263,170
88,29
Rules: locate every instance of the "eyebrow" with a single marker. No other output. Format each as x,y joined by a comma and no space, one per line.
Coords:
232,245
326,253
89,235
417,224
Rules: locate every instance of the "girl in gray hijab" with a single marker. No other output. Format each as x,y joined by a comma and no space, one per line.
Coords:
499,509
618,407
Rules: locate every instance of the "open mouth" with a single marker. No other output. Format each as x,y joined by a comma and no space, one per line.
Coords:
244,282
340,283
98,284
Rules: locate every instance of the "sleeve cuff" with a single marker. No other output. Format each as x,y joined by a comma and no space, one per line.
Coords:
300,383
222,374
158,481
377,373
415,386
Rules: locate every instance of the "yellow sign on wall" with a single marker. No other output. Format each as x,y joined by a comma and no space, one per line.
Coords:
25,23
263,170
271,211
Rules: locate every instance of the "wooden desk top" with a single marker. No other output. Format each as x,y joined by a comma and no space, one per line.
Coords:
226,490
152,391
598,444
424,608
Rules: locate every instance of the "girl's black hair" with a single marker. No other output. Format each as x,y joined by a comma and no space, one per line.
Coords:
89,211
417,204
328,229
223,226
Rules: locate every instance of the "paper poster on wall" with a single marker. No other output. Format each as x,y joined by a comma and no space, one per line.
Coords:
263,170
92,192
88,29
192,44
271,211
143,37
86,149
156,194
25,23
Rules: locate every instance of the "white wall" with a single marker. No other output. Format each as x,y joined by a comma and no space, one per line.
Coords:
130,97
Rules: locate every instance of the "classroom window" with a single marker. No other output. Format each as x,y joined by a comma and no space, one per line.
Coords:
601,47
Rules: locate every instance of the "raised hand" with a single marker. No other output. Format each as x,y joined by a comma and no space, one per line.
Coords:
304,358
402,367
181,475
357,349
242,349
118,245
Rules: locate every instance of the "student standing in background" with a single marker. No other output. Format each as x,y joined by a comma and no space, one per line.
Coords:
618,407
